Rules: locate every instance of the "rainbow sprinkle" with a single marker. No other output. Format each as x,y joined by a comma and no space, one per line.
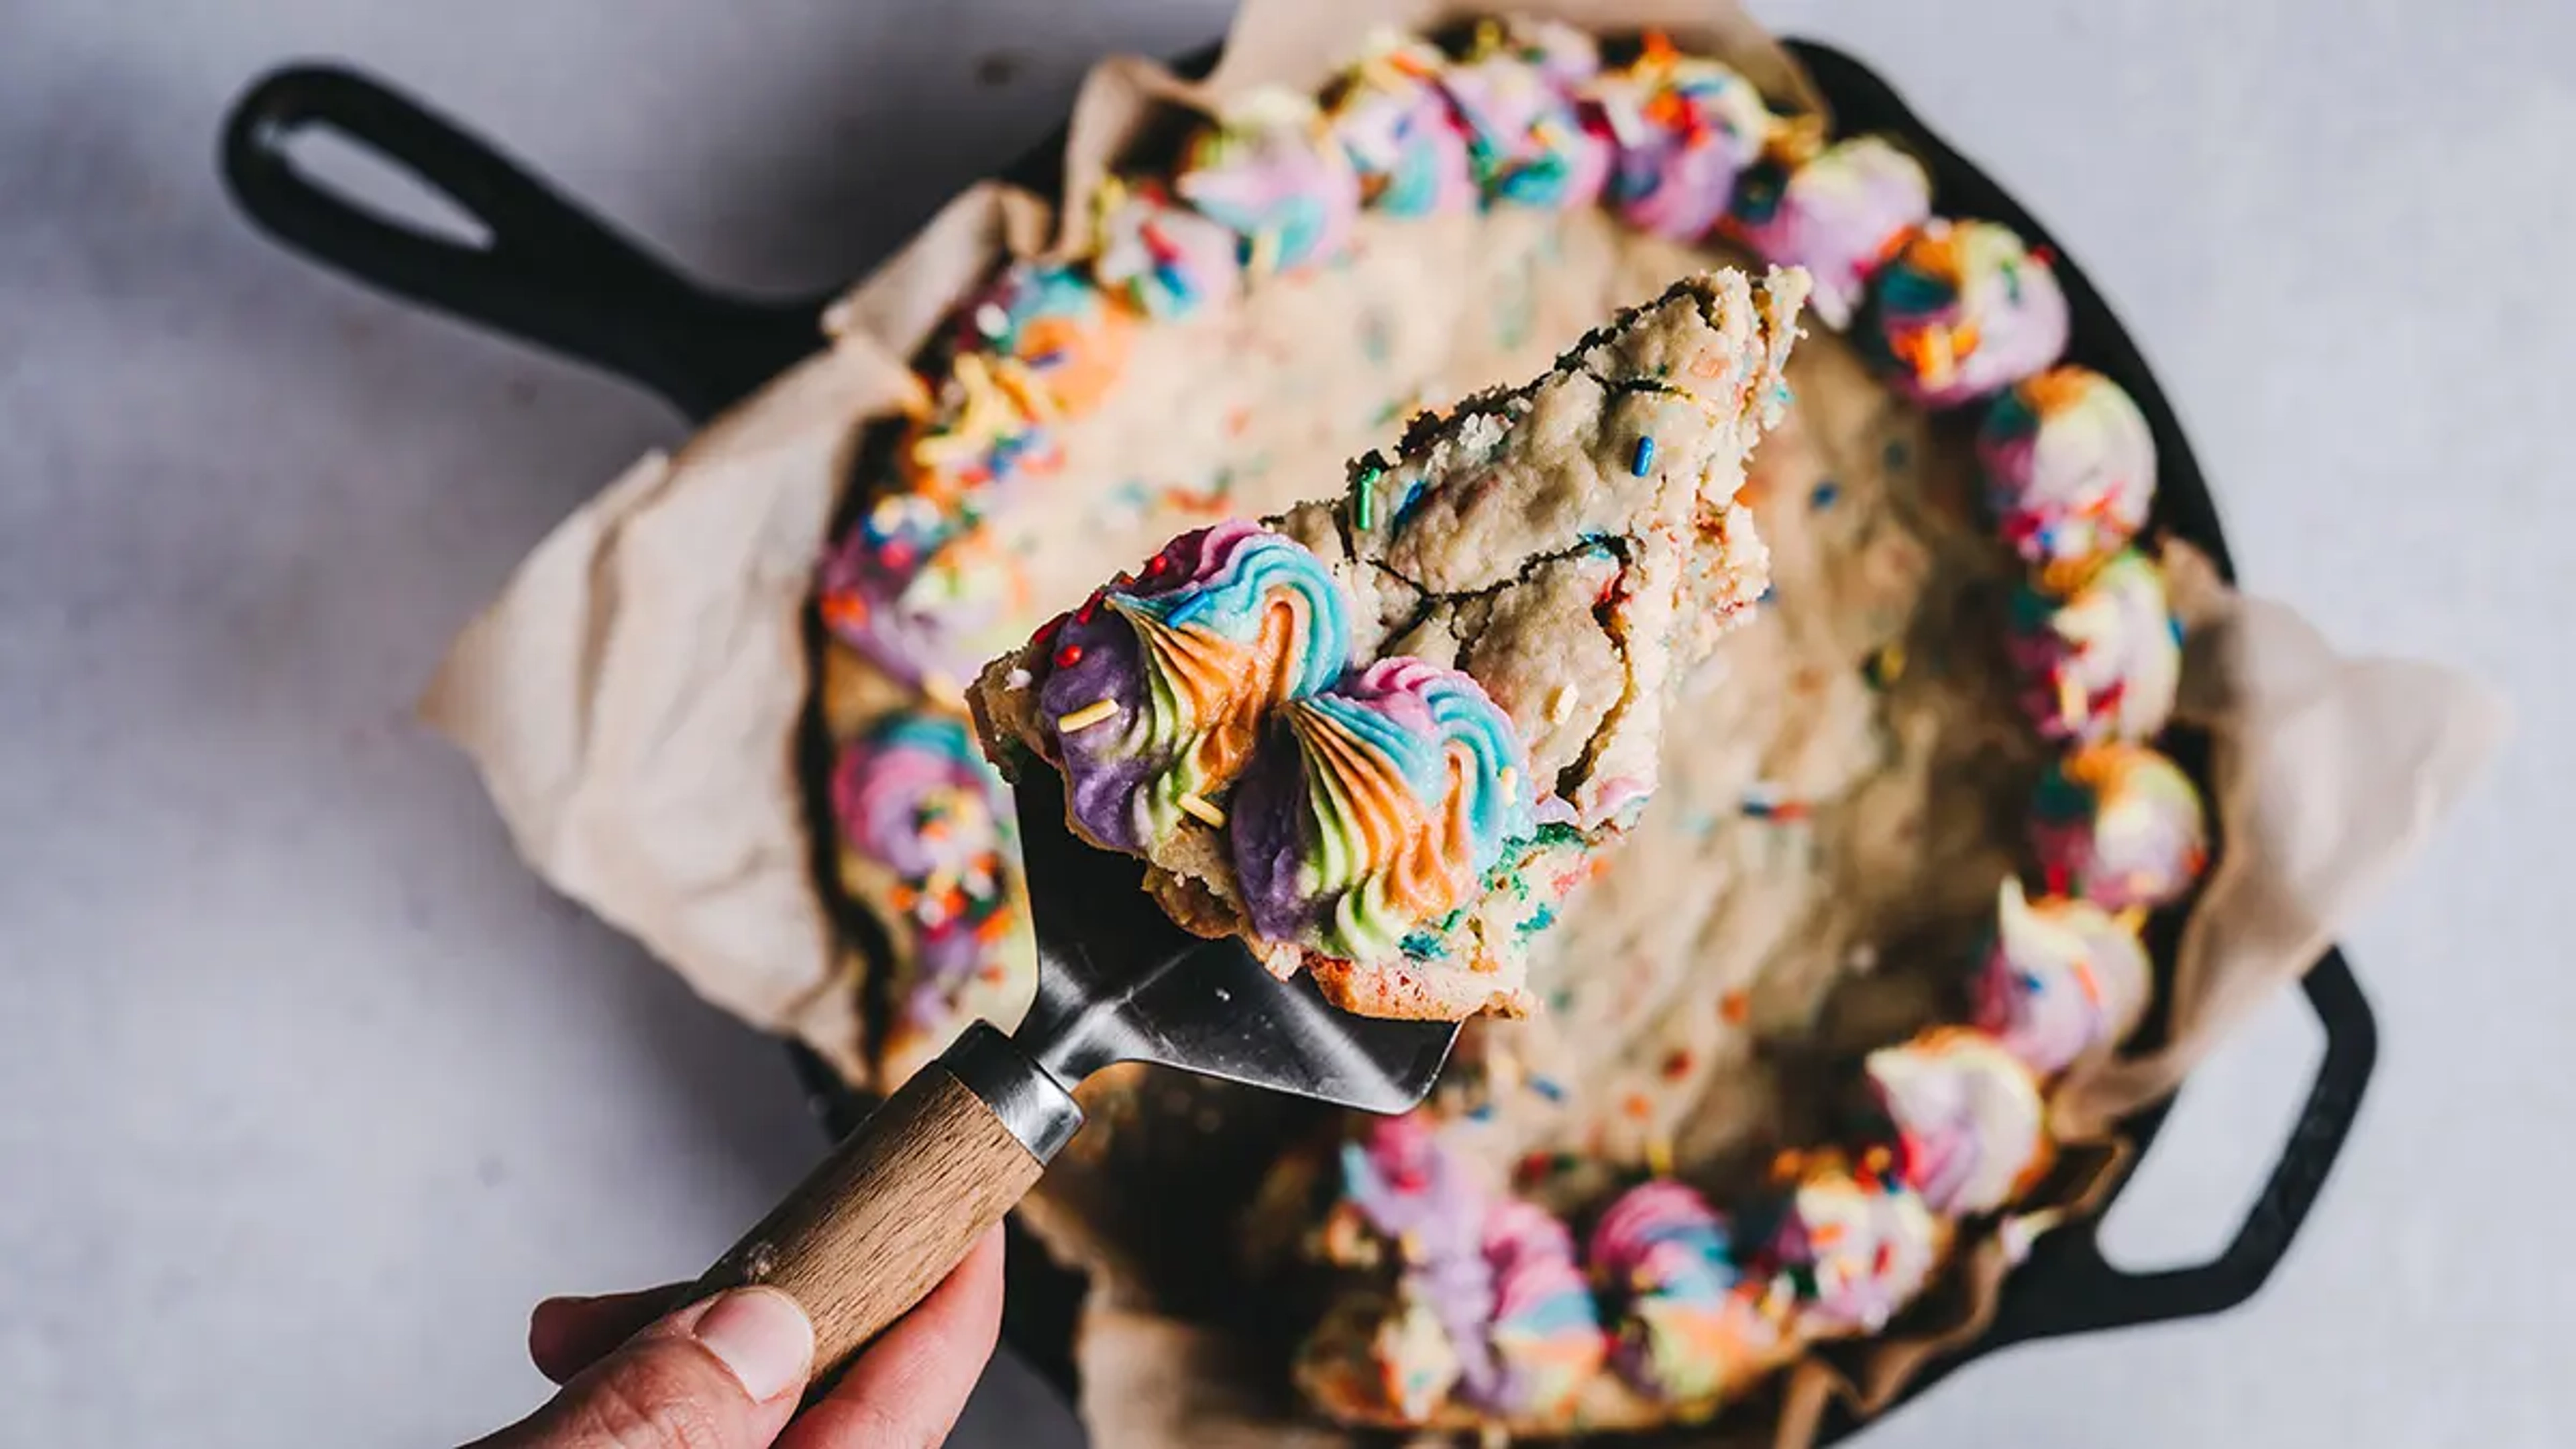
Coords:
1087,716
1764,801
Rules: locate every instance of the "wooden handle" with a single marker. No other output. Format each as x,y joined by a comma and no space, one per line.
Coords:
889,1213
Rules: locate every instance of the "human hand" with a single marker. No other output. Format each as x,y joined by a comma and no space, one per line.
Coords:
726,1372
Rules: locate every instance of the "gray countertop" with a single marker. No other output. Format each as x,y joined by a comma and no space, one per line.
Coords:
311,1089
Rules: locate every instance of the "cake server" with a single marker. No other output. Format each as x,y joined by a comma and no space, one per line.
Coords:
912,1187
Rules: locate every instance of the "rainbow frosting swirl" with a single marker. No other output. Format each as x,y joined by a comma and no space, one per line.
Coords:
1417,1195
1226,624
1051,335
2119,825
1841,216
1682,130
2070,469
1161,258
1968,1115
2064,978
1855,1248
1527,140
1404,784
1689,1325
1391,116
1546,1330
2103,664
915,796
1272,173
892,588
1964,309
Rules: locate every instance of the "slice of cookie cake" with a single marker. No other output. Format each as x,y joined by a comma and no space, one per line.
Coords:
1381,736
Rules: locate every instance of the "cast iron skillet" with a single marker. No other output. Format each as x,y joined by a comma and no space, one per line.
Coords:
552,274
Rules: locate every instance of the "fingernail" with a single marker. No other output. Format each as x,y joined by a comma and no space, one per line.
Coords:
762,1336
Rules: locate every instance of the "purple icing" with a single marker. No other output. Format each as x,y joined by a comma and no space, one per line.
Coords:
1270,843
1102,774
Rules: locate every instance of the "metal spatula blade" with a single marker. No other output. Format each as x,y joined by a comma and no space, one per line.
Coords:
1118,982
903,1197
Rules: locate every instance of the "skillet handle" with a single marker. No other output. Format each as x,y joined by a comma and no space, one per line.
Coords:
2084,1293
906,1194
545,271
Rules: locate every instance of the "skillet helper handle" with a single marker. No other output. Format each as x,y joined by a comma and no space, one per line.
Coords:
2087,1294
544,269
897,1205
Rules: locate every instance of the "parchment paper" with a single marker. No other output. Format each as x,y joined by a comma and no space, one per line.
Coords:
632,698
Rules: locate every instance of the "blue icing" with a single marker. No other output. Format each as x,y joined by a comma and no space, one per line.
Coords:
1911,291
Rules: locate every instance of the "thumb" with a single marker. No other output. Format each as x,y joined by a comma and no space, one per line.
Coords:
722,1374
